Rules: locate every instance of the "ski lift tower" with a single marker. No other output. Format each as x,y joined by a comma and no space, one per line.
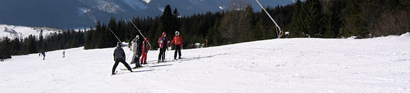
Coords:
280,32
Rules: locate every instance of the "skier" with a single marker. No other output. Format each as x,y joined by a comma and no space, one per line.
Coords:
136,49
44,55
64,54
163,45
178,44
145,49
119,56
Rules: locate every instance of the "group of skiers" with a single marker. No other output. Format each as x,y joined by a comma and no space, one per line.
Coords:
140,50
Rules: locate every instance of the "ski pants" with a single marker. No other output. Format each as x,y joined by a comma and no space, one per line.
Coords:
177,50
161,56
123,62
144,58
136,60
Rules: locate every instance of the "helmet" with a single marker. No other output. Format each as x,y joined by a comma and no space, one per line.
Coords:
176,32
138,36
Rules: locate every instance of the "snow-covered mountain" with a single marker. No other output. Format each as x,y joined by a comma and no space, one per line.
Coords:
84,13
12,31
298,65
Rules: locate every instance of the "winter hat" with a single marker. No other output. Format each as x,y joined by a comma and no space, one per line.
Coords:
138,36
176,32
119,44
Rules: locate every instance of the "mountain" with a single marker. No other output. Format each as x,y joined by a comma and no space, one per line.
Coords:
12,31
65,14
298,65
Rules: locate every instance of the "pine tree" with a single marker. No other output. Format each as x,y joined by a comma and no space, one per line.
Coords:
314,18
297,27
167,20
354,24
335,21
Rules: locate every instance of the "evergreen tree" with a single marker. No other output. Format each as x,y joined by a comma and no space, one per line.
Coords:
297,26
335,21
314,18
168,20
5,48
32,44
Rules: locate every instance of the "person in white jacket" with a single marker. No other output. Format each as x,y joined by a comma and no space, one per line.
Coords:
136,49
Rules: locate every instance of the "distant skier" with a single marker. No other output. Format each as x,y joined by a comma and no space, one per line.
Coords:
163,45
44,55
136,48
178,44
63,54
145,49
119,56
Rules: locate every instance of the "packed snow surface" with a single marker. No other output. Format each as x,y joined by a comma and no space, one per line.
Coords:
299,65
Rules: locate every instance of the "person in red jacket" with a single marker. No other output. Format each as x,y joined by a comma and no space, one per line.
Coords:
163,45
178,44
145,48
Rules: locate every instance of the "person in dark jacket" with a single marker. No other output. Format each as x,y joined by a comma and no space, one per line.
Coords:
119,56
163,45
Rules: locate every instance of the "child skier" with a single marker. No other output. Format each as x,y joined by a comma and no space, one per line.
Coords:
163,45
119,56
145,49
178,44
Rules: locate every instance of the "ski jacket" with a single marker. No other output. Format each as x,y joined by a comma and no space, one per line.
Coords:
145,47
139,49
119,54
177,40
162,42
134,46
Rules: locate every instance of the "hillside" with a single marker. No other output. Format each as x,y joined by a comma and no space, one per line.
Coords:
307,65
22,32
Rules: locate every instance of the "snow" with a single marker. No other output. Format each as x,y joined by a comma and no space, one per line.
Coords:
109,7
12,31
307,65
147,1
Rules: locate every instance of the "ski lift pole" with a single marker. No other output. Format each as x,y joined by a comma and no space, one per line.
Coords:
263,8
139,31
114,34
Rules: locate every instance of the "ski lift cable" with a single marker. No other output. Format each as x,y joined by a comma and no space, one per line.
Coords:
139,31
114,34
263,8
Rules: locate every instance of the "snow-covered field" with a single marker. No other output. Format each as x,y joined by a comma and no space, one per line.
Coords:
300,65
12,31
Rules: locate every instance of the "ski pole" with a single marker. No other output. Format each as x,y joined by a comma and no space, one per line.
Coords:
114,35
263,8
139,31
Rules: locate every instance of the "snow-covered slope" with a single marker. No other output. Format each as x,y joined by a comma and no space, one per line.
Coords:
12,31
301,65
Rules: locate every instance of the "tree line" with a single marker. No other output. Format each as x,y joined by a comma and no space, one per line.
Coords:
310,18
32,44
